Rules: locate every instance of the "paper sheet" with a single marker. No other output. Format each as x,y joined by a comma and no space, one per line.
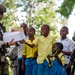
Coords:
17,36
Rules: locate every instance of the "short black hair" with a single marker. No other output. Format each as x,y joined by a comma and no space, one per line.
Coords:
46,25
60,45
32,28
66,28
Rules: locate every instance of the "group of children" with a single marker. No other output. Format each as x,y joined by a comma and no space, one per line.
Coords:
44,55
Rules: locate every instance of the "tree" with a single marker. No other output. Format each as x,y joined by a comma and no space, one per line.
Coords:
38,12
9,18
66,8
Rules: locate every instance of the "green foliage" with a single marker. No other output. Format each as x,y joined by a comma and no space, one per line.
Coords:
42,0
38,12
66,8
45,15
9,3
9,20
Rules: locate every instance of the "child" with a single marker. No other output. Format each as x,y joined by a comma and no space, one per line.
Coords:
29,54
44,43
20,47
58,60
67,46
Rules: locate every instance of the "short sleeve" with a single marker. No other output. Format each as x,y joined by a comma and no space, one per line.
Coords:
36,41
71,45
54,40
24,50
63,60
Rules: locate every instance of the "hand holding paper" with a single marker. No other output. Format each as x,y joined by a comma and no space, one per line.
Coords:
22,41
17,36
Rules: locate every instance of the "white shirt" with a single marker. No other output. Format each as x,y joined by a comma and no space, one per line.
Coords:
67,47
20,49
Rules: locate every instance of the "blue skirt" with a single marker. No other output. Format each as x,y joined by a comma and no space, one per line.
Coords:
57,69
31,66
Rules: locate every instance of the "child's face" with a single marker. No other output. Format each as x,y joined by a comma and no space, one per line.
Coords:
30,32
24,27
44,30
55,48
63,32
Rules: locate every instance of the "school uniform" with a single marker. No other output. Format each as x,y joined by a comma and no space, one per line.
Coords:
57,68
44,48
67,47
30,61
20,72
20,47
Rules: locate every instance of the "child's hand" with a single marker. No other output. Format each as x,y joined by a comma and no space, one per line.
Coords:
36,54
48,56
16,43
22,67
22,41
56,56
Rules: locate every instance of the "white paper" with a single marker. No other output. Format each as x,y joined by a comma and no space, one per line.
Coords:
17,36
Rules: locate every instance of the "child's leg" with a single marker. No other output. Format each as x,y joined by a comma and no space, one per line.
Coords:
28,70
40,69
46,67
20,70
34,71
43,69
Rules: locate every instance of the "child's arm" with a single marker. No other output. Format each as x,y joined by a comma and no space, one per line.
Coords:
23,59
56,56
66,53
48,56
24,42
16,43
36,54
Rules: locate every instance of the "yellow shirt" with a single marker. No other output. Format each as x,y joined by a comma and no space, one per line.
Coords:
28,51
44,47
62,58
